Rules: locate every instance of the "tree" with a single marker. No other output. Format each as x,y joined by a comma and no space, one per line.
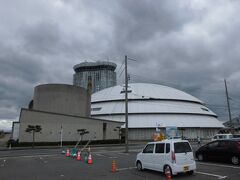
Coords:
81,132
33,129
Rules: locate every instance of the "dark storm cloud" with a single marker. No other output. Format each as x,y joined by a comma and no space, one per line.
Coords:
15,63
42,38
18,72
191,45
141,21
195,53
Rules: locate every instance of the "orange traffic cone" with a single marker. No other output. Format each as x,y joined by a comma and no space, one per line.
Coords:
79,156
114,166
90,159
168,173
68,153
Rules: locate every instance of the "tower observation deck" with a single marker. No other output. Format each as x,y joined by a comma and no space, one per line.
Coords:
101,73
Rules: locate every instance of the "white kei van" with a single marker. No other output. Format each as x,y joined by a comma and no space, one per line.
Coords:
173,153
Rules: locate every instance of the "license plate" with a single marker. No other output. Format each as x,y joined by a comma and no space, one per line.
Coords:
185,168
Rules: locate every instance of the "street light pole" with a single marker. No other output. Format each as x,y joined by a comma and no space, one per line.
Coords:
126,105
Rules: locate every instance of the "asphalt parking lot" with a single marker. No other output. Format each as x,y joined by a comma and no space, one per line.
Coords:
51,164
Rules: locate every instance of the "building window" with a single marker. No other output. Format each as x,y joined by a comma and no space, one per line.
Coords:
97,88
89,78
129,91
96,109
97,76
104,130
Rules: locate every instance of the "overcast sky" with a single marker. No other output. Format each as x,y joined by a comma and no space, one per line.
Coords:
191,45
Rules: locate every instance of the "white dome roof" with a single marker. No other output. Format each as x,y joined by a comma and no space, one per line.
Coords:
150,104
142,91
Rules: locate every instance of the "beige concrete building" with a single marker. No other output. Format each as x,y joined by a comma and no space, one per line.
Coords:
61,110
62,98
53,124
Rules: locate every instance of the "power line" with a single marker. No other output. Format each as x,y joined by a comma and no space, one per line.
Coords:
120,73
217,106
178,86
235,100
120,67
221,106
213,106
131,59
212,93
154,81
167,104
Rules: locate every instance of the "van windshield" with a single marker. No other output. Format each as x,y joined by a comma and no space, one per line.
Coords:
182,147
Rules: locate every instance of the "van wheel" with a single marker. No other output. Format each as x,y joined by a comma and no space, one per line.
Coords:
235,160
190,172
200,157
165,169
139,166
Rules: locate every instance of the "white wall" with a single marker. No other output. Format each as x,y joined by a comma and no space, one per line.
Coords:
15,129
189,133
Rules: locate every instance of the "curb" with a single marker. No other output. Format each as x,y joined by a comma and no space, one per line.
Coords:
64,147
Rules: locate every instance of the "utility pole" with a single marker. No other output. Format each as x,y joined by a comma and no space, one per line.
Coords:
229,110
61,135
126,105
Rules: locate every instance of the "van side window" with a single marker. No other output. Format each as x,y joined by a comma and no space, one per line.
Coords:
167,148
159,148
149,148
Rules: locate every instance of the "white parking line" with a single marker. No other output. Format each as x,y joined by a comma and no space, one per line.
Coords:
100,155
218,165
4,161
114,151
113,157
197,172
123,169
136,150
209,174
27,156
105,152
123,153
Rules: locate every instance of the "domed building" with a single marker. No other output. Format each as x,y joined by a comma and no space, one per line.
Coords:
151,106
